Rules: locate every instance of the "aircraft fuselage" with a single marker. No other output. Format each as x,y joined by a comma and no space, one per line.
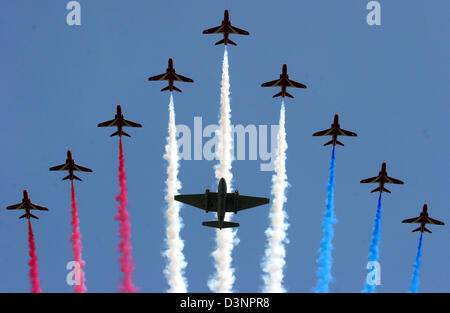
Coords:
221,201
26,200
119,117
226,30
71,164
171,71
284,80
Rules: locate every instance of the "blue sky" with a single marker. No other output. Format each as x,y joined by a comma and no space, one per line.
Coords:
389,84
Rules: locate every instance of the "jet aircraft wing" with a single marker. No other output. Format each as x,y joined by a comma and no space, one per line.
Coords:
295,84
325,132
433,221
108,123
214,30
17,206
62,167
131,124
238,31
37,207
375,179
393,180
81,168
413,220
343,132
182,78
159,77
273,83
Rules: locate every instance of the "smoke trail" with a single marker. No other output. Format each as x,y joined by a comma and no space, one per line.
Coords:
414,286
176,263
225,144
33,263
226,238
76,245
373,252
325,260
276,233
125,259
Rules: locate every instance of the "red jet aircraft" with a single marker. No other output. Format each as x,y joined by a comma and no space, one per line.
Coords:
422,220
335,131
70,166
120,122
27,206
382,179
171,76
283,82
226,29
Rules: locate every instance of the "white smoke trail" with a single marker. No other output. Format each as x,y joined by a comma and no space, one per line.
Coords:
225,144
176,263
225,238
276,233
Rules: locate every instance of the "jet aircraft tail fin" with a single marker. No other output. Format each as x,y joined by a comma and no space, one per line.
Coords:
220,42
280,94
381,190
173,87
228,42
74,177
216,224
232,42
31,215
331,142
425,229
277,95
117,134
288,95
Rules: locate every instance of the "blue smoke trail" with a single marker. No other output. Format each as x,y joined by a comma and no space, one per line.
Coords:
373,253
414,286
325,259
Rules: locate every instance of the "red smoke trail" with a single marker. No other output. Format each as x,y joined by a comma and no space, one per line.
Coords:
76,246
33,263
125,259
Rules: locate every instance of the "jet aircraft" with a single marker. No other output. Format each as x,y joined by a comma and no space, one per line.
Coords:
422,220
283,82
382,179
170,75
335,131
70,166
226,29
27,206
120,122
